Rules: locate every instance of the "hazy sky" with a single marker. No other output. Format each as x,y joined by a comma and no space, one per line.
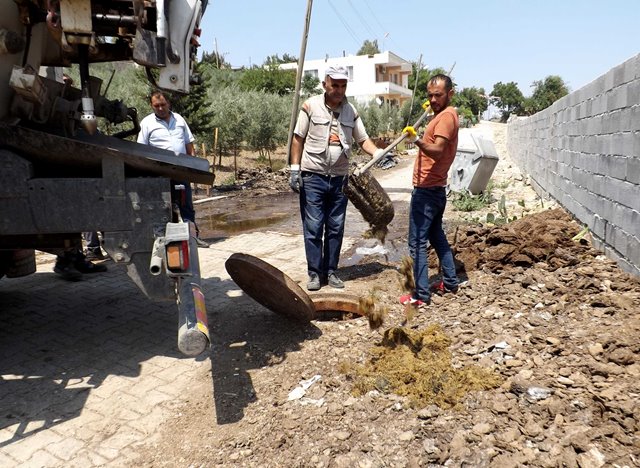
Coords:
489,41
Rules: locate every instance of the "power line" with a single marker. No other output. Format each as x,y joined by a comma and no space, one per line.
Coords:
374,16
362,20
344,23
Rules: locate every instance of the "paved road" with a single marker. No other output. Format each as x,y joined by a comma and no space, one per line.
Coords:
89,371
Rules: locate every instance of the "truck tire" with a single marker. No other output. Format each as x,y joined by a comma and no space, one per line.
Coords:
16,263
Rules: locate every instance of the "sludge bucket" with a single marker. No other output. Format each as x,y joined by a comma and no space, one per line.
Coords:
370,199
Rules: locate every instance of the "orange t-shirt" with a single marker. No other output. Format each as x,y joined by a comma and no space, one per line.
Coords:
428,172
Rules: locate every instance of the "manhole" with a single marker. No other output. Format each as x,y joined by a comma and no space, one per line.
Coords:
277,292
335,306
270,287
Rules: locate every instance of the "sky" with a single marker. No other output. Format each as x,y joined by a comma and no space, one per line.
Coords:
488,41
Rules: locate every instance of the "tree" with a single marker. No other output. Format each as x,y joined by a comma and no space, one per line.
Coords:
215,59
270,79
195,108
508,98
472,100
369,47
545,93
309,85
276,60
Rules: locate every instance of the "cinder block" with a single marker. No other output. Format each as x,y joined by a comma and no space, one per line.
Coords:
598,225
633,93
627,218
633,164
617,239
611,122
628,194
613,166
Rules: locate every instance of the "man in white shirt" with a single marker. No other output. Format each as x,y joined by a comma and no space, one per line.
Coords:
168,130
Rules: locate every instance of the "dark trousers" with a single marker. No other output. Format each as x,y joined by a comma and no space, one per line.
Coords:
425,224
323,207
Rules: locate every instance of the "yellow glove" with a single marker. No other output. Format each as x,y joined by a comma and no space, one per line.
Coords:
412,135
426,104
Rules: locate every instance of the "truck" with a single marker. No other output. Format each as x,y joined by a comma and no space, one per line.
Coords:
60,177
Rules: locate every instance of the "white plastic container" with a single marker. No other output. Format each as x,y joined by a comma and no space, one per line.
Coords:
472,168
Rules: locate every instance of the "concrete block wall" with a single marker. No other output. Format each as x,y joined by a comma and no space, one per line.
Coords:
584,151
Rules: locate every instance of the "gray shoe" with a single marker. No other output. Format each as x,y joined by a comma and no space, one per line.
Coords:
335,282
314,282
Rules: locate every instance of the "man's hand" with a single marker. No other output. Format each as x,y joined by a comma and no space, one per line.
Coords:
295,182
412,135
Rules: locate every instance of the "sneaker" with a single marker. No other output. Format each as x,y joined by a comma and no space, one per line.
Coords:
441,289
202,243
408,299
314,282
334,281
67,272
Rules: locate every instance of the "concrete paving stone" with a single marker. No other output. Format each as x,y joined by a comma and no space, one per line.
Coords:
124,437
144,386
86,458
148,423
110,454
43,458
7,461
153,398
24,448
66,448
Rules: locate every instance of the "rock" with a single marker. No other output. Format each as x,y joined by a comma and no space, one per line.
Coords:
429,446
565,381
622,356
595,350
342,435
406,436
482,428
591,459
429,412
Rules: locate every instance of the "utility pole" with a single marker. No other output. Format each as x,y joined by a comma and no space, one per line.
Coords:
296,96
215,41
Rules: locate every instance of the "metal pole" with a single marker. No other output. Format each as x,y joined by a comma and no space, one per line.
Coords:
296,97
415,86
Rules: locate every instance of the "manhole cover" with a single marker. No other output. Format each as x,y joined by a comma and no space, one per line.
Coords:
270,287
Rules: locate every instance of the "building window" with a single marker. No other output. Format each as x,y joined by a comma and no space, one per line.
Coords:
313,73
350,73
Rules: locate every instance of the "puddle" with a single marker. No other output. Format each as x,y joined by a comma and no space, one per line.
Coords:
232,216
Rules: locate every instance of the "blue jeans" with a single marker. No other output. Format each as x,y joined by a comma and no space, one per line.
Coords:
425,224
323,207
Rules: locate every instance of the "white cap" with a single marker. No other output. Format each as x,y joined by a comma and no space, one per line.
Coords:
337,73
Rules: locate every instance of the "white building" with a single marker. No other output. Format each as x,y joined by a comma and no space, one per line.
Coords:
383,77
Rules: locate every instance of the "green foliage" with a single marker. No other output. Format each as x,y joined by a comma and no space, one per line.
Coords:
503,217
545,93
508,98
464,201
215,59
369,48
195,109
229,116
276,60
471,103
267,117
269,79
309,85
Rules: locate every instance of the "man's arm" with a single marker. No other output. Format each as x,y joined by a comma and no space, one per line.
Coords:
296,149
433,150
191,149
369,146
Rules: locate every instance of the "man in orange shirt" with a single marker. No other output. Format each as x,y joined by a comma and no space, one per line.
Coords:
428,200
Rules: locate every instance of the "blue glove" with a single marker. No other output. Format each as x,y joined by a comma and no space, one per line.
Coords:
295,182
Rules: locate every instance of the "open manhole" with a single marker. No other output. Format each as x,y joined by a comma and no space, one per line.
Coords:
335,306
277,292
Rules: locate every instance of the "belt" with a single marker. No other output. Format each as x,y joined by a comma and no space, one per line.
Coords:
435,187
325,176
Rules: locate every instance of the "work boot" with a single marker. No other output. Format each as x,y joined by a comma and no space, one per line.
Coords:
408,299
66,270
85,266
334,281
314,282
94,254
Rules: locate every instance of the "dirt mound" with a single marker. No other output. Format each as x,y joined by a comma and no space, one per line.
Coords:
542,237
